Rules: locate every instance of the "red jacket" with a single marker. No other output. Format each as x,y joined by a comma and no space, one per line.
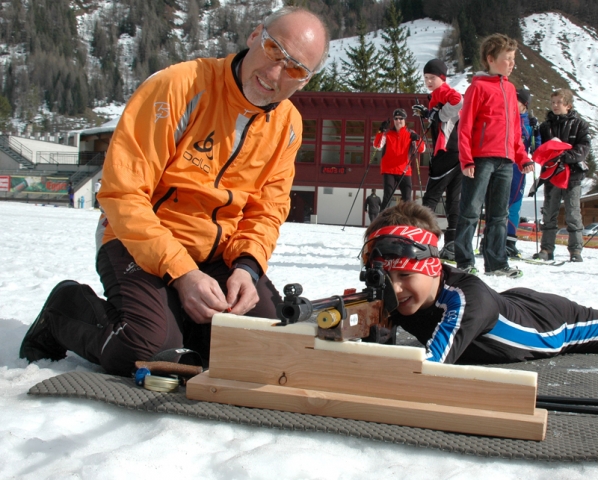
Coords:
395,160
489,124
448,102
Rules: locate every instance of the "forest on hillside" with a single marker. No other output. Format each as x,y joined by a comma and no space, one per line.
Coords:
50,64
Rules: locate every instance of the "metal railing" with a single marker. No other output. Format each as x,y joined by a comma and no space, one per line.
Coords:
74,158
20,148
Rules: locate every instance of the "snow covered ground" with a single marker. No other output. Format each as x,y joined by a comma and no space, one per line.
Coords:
66,438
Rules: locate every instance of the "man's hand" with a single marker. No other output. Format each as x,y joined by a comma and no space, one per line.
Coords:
414,136
200,295
420,111
384,126
468,171
242,295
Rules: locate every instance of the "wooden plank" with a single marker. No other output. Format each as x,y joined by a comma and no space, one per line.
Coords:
277,359
371,409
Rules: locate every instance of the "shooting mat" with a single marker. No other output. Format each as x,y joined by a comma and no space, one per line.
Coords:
569,437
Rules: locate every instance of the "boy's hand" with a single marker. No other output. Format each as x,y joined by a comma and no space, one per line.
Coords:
469,171
527,169
420,111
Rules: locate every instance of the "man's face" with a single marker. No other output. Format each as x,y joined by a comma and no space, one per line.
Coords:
558,106
503,64
432,81
265,81
414,290
399,123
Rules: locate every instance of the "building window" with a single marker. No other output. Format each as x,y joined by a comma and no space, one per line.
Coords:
331,154
307,151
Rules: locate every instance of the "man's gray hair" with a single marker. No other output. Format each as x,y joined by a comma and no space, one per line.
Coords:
284,11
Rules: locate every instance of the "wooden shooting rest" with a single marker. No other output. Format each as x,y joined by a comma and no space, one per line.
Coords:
256,364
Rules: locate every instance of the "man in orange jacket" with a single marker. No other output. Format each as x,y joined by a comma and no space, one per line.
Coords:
195,186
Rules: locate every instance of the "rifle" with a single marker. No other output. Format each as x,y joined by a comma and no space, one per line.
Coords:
352,316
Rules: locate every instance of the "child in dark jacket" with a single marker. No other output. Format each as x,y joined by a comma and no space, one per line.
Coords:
530,135
456,315
445,172
564,123
489,144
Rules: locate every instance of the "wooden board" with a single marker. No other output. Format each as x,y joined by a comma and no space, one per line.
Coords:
274,358
341,405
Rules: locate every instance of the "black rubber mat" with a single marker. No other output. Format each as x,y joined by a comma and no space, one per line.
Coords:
569,437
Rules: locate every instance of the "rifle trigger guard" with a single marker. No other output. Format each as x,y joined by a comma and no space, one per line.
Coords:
341,306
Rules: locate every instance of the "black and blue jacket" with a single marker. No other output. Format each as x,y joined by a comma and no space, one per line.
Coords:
471,323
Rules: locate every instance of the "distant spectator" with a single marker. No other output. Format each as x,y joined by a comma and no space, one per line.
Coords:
96,190
399,145
372,205
530,135
71,193
564,123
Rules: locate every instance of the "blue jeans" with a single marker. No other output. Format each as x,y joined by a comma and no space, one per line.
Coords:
492,182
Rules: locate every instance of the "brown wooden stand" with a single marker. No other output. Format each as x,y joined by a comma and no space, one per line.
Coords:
255,365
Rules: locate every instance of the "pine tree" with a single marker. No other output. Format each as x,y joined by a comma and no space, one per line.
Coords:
399,73
361,72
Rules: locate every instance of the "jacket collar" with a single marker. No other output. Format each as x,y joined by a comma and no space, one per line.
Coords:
233,70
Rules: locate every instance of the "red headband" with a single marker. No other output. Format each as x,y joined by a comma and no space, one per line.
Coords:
430,266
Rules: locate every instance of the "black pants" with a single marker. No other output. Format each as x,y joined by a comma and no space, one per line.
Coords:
141,315
451,183
394,182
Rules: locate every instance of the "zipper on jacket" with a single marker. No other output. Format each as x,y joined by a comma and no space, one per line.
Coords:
230,194
482,135
165,197
504,95
218,227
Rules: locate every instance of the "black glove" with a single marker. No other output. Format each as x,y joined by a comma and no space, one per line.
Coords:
420,111
433,114
533,121
384,126
414,136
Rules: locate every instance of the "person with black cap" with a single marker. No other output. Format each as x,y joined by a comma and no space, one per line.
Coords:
445,173
399,145
530,135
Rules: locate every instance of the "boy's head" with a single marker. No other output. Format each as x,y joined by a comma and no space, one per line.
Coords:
497,54
405,240
561,101
434,74
523,98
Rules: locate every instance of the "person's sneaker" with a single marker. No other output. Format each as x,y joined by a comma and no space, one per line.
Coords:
38,342
448,252
576,257
510,272
543,255
471,269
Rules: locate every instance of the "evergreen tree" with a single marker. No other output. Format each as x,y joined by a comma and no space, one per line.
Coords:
399,73
5,113
361,71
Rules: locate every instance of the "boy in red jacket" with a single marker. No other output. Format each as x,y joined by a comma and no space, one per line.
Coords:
399,146
489,143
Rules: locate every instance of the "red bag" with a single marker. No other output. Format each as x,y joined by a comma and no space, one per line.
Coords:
553,169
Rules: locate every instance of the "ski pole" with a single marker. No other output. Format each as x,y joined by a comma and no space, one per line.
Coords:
360,185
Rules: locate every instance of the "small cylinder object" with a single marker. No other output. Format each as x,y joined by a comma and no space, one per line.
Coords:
329,318
140,375
161,384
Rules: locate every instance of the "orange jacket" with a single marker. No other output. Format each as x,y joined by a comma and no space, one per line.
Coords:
195,172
